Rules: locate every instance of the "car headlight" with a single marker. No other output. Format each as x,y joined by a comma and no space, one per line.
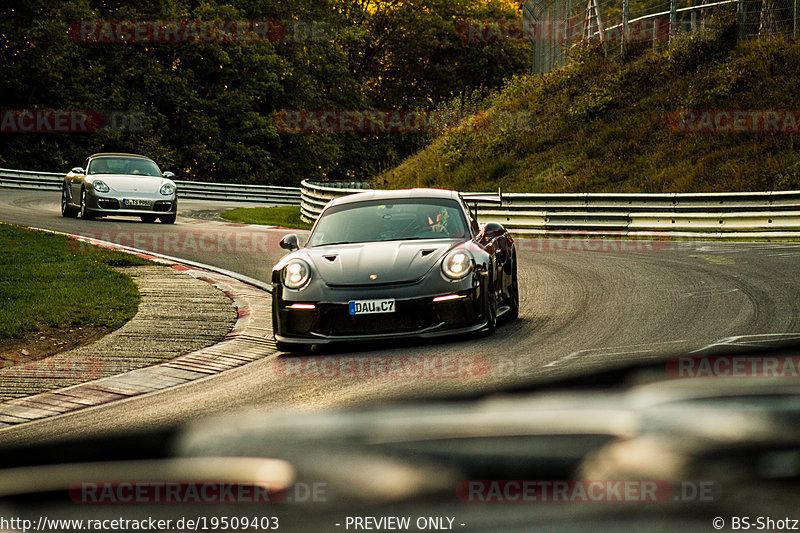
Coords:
296,274
99,186
167,189
457,264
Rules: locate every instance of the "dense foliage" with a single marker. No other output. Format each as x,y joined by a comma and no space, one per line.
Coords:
209,106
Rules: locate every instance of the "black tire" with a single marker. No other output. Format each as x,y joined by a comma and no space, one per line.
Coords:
85,213
293,348
66,209
489,311
167,219
513,312
148,218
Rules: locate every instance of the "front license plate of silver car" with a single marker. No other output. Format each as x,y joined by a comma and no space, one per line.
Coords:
370,307
136,203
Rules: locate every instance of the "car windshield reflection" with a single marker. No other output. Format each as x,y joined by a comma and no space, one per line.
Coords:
134,166
390,220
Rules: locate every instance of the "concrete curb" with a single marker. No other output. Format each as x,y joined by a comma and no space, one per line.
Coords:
249,340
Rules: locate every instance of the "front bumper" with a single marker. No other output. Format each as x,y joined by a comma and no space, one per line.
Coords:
110,204
418,317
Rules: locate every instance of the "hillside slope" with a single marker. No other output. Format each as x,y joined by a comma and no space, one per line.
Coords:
604,124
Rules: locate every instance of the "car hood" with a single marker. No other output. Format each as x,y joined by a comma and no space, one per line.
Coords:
377,263
130,182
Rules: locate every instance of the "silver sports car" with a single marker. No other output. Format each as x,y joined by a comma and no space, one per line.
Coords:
119,185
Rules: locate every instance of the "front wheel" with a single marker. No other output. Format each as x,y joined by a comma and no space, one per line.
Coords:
66,209
167,219
85,213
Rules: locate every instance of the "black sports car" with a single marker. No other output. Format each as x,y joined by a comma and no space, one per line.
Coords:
393,264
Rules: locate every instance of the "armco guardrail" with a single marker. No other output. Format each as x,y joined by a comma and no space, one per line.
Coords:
24,179
705,215
196,190
316,195
238,193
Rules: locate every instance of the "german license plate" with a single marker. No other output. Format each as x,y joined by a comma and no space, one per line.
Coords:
368,307
135,203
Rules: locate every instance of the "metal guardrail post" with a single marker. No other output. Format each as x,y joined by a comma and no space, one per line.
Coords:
742,20
568,37
673,18
626,7
655,33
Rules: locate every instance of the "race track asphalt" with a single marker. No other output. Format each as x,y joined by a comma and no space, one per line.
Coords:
586,304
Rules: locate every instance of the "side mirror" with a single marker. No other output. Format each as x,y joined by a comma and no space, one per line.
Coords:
78,170
289,242
168,175
492,237
492,230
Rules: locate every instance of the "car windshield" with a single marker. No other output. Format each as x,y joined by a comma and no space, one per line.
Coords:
390,220
135,166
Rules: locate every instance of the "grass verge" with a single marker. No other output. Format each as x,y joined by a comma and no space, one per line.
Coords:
284,216
50,281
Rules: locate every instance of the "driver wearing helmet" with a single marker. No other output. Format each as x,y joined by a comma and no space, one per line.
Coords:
434,219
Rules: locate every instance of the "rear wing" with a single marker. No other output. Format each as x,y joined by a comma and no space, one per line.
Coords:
472,199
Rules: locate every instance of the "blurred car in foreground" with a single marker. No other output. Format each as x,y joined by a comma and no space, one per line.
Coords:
111,184
628,449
